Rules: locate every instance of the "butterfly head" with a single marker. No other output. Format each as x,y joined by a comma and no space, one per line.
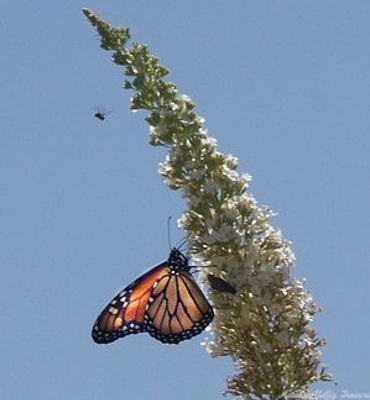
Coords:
178,261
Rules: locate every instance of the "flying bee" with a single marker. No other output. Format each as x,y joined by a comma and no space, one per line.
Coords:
101,113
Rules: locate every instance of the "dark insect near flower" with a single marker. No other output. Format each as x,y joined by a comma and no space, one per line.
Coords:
165,302
101,113
220,285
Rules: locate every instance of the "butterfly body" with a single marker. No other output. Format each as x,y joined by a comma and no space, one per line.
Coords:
165,302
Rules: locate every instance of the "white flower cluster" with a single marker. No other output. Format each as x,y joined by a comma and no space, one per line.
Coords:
265,327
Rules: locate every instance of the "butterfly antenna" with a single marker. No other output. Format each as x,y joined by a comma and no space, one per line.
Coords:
169,231
181,243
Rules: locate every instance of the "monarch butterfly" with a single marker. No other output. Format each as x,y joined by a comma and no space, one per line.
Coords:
165,302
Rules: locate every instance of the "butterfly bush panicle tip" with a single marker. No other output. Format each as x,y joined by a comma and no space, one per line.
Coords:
265,327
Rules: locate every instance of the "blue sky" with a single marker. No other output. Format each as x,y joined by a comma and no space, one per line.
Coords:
284,86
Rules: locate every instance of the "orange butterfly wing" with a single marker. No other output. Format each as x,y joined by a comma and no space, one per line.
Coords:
125,314
178,309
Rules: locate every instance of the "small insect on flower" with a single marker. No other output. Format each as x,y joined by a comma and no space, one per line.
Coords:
220,285
101,113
